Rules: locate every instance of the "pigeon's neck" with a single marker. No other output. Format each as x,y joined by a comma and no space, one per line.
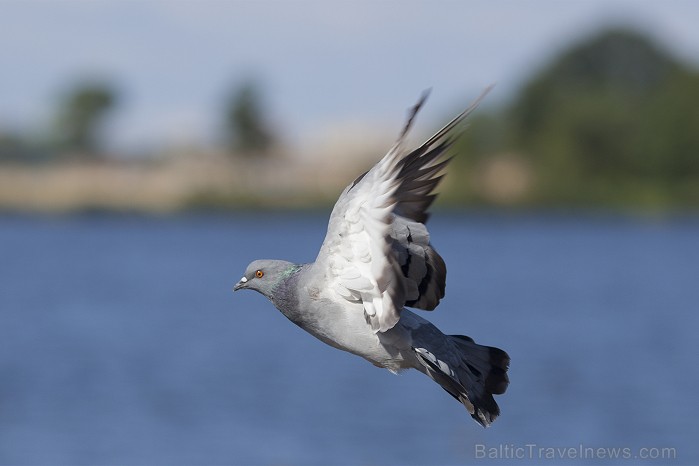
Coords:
284,291
284,276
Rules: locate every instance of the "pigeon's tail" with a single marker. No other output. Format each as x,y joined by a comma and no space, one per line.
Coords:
471,373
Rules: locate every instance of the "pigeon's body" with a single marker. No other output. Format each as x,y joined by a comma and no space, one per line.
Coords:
376,259
390,349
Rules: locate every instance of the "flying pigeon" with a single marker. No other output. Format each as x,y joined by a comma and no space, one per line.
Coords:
376,260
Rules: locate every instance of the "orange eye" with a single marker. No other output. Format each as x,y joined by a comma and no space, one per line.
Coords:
259,274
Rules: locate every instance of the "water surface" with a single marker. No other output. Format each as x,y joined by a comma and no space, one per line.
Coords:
121,342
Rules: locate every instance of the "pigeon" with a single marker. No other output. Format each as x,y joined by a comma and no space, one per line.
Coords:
376,261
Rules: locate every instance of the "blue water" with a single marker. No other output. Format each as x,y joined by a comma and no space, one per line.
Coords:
121,342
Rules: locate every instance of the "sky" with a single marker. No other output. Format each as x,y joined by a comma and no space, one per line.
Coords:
324,66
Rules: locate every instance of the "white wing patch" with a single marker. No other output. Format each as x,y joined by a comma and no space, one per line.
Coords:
362,267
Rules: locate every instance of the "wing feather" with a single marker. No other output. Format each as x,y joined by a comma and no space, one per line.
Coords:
377,249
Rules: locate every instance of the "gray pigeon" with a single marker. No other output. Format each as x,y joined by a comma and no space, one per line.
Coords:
376,260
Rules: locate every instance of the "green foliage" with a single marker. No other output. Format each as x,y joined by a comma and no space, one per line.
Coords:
246,128
80,116
613,121
486,134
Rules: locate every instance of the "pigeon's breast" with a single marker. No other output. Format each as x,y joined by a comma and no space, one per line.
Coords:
343,325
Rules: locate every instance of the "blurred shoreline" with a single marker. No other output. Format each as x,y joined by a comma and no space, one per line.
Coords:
216,182
177,184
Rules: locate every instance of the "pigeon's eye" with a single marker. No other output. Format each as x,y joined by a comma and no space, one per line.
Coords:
259,274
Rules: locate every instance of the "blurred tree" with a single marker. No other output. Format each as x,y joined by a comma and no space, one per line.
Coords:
18,148
613,112
486,135
247,130
80,116
12,147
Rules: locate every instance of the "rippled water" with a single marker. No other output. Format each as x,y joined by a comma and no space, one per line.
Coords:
122,343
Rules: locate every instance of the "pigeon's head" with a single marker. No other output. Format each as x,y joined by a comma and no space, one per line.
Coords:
264,275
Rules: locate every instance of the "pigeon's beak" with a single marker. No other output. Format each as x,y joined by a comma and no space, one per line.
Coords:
240,284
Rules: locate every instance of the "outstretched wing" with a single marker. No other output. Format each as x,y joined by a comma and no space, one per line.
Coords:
423,268
377,250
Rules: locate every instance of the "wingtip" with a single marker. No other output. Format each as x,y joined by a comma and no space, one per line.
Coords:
482,95
459,118
423,97
413,111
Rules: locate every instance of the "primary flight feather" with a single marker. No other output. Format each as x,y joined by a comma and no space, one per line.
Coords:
377,259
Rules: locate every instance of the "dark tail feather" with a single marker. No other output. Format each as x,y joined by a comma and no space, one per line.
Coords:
481,372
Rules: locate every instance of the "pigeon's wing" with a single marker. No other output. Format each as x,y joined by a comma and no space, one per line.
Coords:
420,169
359,256
422,267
